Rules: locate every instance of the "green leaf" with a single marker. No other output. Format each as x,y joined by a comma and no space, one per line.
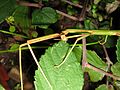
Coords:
45,16
118,50
111,41
21,17
14,46
78,53
6,8
67,77
102,87
96,61
105,87
116,69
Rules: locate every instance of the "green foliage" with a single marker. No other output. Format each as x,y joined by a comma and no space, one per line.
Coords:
96,61
105,87
6,8
21,17
14,46
45,16
102,87
116,69
68,76
12,29
27,20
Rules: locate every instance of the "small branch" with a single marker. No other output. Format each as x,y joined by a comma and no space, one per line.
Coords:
108,62
66,15
106,54
24,3
84,57
102,71
83,12
76,5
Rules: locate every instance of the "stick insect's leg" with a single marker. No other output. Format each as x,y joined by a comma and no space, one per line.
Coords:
34,57
71,50
20,65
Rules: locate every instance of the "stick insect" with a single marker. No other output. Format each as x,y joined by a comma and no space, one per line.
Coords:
84,34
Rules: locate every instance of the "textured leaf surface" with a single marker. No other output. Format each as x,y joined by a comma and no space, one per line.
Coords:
6,8
67,77
96,61
118,50
45,16
116,69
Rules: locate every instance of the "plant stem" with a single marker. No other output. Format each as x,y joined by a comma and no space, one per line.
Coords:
102,71
66,15
3,31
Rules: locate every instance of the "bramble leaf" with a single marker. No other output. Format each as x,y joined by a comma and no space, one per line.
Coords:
96,61
68,76
45,16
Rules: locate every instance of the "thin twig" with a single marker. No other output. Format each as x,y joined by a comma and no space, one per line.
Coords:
24,3
76,5
83,12
84,57
108,61
106,54
66,15
102,71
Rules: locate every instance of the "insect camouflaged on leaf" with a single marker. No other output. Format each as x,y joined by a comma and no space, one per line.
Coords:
64,37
